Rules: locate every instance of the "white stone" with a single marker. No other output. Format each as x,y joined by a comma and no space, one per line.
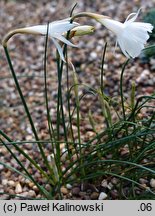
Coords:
152,183
1,167
104,183
11,183
4,182
102,196
68,186
18,188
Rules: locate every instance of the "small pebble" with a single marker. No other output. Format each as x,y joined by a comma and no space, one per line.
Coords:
102,196
86,197
8,174
110,186
104,183
143,181
149,89
82,194
69,186
93,55
1,167
11,191
64,190
31,193
31,184
76,191
114,194
4,182
11,183
152,183
18,188
35,188
27,181
114,181
94,196
48,187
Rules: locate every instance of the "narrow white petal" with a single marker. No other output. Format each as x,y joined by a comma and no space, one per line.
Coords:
129,46
133,48
141,38
122,46
59,48
133,18
61,27
138,34
132,14
63,39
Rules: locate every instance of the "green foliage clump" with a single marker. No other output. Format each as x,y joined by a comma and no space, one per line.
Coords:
150,18
150,51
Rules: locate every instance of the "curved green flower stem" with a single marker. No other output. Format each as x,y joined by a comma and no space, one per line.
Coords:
50,126
11,34
26,107
60,96
68,101
121,89
102,96
41,189
77,108
72,10
88,14
60,109
68,88
122,102
27,157
60,113
132,104
77,100
102,67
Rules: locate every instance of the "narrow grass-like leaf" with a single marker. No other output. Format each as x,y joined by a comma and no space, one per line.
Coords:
102,67
25,105
41,189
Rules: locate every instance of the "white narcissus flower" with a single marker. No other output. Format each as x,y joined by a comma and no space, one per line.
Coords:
55,32
131,35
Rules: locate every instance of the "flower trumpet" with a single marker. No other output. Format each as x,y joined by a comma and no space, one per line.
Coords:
130,35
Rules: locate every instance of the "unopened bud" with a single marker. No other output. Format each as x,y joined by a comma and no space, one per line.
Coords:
82,30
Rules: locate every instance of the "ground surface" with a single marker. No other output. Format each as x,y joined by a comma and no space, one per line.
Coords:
27,56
